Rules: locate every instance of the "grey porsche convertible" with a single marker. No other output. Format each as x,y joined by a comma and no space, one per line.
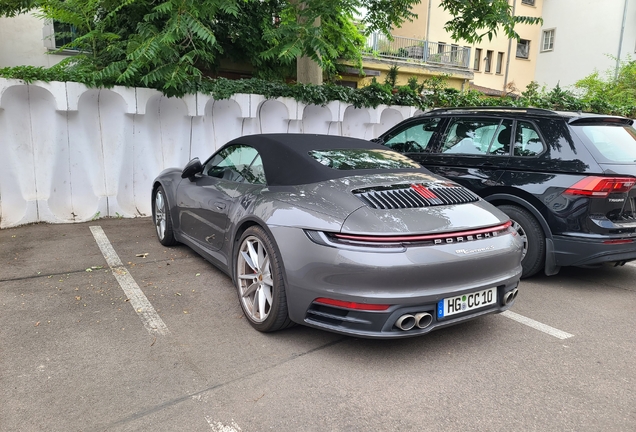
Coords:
340,234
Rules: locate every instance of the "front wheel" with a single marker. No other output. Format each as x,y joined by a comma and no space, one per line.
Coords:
259,282
531,233
161,218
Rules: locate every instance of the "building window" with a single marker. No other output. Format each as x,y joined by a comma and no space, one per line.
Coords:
523,48
548,40
499,62
63,34
528,2
56,35
477,63
454,53
488,61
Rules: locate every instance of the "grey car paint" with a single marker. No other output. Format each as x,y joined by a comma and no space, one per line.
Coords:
416,278
209,214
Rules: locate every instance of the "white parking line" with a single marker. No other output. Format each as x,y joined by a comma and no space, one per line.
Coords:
631,263
220,427
559,334
138,299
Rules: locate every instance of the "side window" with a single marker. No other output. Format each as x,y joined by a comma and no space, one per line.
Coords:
478,137
256,173
238,163
415,139
527,141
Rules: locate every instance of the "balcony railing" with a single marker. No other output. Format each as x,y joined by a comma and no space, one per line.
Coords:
416,50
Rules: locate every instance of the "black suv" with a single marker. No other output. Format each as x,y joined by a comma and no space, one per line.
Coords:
564,179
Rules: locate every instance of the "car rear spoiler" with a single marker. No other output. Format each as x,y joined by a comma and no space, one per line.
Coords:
599,120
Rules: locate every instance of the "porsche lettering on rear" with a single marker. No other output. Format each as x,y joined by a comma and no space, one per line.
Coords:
450,240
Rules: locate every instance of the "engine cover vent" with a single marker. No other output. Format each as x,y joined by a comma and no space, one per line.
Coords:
415,195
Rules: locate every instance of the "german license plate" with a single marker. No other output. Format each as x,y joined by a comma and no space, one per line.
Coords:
466,302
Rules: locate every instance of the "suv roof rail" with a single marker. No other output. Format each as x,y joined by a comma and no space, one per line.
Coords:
528,110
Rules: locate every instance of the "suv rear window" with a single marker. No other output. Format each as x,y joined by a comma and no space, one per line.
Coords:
614,143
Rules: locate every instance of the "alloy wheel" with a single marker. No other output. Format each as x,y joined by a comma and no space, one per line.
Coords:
255,283
524,237
160,214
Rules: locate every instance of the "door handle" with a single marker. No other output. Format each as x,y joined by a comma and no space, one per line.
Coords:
219,205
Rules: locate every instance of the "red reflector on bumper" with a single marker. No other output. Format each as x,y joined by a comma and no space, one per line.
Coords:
622,241
352,305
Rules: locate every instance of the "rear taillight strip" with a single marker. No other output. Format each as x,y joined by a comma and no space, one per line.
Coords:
601,187
416,238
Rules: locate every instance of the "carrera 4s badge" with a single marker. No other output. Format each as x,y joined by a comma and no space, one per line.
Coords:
470,251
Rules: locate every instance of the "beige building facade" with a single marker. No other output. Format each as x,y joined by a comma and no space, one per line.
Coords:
500,64
27,40
379,70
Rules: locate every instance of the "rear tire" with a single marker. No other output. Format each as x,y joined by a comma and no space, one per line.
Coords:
161,218
259,281
528,228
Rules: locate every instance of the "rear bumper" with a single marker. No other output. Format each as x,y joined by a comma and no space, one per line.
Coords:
382,325
411,282
580,251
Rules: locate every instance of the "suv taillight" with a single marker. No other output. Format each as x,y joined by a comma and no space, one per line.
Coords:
601,187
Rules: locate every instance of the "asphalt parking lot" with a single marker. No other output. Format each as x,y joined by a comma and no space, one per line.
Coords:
78,353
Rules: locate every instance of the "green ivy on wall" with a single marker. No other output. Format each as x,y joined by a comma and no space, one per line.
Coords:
428,94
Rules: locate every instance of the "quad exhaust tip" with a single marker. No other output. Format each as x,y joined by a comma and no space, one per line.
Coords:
408,321
510,296
423,320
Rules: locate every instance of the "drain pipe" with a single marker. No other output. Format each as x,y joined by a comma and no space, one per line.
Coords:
428,20
427,45
514,7
620,42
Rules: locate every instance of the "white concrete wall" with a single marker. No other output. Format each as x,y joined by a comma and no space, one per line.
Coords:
69,153
587,33
22,43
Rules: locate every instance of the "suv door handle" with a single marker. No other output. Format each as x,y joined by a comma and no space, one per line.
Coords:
219,205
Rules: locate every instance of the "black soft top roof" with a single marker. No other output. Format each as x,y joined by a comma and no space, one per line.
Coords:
287,162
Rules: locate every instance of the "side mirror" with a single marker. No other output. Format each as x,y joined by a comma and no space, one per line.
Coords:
192,168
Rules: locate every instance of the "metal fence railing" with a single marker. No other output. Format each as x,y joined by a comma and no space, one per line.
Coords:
416,50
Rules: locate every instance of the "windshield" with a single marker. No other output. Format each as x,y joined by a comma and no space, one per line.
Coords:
358,159
615,143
